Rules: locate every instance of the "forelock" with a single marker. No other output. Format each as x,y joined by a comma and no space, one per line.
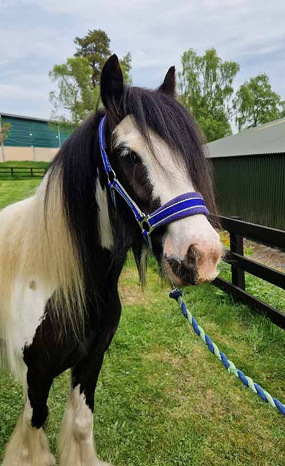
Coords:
154,111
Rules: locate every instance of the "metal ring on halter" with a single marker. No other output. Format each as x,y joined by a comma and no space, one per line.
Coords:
145,225
114,177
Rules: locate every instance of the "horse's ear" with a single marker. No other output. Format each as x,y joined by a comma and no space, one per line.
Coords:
168,85
112,82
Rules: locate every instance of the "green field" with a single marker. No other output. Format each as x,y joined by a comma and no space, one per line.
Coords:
25,164
163,399
16,188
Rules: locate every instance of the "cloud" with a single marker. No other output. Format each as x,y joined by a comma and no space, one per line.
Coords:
18,92
39,33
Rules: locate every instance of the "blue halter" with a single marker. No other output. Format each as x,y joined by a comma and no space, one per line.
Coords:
181,206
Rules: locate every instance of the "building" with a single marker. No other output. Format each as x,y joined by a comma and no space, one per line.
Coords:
249,171
31,139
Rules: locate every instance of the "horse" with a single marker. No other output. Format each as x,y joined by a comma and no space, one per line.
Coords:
135,177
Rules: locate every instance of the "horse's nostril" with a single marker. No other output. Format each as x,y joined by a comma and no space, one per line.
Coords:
190,258
186,270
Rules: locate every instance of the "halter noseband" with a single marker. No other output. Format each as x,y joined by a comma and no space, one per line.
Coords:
185,205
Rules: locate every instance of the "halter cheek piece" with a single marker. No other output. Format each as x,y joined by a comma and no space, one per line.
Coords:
181,206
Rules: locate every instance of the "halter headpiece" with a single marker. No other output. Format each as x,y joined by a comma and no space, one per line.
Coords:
185,205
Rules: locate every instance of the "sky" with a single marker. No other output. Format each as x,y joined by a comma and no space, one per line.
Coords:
37,34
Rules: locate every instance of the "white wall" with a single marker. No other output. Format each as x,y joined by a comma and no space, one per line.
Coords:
37,154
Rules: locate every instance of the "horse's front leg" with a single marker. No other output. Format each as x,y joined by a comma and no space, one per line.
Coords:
76,440
29,445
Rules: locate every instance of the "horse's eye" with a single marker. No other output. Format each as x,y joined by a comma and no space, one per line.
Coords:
131,158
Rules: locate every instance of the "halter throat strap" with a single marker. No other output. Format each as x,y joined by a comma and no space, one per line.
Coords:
184,205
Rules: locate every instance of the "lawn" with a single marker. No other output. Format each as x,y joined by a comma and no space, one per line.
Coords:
16,190
25,164
162,398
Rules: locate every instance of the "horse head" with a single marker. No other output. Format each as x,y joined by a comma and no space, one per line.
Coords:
155,153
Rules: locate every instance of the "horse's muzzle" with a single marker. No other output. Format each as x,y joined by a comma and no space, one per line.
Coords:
182,272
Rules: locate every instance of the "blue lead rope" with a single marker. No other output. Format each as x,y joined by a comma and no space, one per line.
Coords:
181,206
229,365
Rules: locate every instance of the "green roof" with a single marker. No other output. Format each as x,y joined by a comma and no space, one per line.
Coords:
33,132
263,139
11,115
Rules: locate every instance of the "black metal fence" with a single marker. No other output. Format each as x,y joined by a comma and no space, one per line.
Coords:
239,265
22,171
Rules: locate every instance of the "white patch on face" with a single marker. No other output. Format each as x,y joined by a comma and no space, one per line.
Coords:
28,445
76,444
106,234
169,179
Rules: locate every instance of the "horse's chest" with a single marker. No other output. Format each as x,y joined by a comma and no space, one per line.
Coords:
28,306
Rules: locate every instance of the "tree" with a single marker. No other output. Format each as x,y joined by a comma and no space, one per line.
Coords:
282,109
78,79
205,88
256,103
4,131
76,96
95,46
126,65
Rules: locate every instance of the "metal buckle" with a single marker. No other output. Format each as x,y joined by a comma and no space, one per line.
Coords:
111,175
145,225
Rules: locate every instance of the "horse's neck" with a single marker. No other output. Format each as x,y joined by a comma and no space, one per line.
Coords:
36,233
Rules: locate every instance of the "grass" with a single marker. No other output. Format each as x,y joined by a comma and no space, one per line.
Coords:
25,164
162,398
271,294
16,190
13,189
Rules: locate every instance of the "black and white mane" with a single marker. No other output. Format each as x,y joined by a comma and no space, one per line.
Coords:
79,166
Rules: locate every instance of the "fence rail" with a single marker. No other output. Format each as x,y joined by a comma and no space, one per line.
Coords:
23,171
239,265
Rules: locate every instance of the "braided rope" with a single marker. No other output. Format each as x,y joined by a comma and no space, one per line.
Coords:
229,365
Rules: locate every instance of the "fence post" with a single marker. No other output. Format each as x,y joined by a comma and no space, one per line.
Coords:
34,153
2,145
238,277
58,136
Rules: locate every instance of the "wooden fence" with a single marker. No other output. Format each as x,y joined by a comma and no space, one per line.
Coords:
239,265
23,171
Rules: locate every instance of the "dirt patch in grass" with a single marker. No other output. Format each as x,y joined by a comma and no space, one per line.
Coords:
268,256
164,357
272,257
131,295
